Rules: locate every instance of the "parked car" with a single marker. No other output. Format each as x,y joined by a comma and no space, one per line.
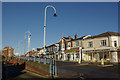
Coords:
31,56
36,57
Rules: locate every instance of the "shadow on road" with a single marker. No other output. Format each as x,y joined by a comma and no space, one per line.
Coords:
11,71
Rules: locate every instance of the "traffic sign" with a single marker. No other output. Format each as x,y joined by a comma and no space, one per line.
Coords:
33,49
55,47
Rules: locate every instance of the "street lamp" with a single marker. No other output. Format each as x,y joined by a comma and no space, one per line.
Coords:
45,21
29,35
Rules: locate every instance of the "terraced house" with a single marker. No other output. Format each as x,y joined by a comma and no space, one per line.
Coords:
50,50
91,48
86,49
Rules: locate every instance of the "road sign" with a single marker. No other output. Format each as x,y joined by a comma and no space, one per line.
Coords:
55,47
33,49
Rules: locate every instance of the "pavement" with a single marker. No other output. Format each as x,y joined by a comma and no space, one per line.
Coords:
11,72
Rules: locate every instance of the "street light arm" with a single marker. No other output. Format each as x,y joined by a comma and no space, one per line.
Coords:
50,6
27,32
45,20
45,13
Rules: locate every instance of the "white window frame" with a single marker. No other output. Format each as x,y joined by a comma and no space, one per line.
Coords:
91,44
114,43
76,43
103,43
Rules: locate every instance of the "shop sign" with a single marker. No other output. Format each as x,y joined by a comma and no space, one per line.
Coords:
72,51
77,50
65,51
96,50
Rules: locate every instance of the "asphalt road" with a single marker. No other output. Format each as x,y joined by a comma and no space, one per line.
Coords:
72,70
64,70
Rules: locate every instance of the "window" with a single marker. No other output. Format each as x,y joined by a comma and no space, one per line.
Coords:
115,43
90,44
69,44
77,43
9,51
73,44
103,42
47,49
62,46
52,48
77,55
9,55
66,44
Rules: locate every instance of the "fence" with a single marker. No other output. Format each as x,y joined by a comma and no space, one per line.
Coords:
40,60
50,61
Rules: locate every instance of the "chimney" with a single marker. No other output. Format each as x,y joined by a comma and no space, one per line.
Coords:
69,37
75,36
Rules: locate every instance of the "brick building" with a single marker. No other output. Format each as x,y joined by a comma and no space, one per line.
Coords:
8,52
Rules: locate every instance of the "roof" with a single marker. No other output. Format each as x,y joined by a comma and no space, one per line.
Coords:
105,35
76,39
7,47
100,35
67,37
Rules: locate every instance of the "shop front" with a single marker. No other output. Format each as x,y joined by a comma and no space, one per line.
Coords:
72,55
107,55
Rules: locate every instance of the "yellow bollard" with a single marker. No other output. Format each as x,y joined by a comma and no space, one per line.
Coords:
102,61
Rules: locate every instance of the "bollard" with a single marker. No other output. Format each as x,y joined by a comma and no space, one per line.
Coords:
102,61
39,60
50,70
34,59
44,61
79,61
53,69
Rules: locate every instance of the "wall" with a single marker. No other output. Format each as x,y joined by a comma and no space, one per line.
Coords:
115,38
96,42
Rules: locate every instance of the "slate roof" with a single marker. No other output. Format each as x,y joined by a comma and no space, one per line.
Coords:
105,35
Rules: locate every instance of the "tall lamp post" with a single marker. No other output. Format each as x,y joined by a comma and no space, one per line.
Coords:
45,21
29,35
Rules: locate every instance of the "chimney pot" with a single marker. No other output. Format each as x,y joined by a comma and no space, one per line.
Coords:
69,37
75,36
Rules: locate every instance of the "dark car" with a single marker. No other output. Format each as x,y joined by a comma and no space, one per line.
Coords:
31,56
36,57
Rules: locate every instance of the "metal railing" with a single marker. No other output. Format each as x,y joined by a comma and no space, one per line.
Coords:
40,60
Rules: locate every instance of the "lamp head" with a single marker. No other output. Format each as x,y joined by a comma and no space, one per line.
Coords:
55,15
